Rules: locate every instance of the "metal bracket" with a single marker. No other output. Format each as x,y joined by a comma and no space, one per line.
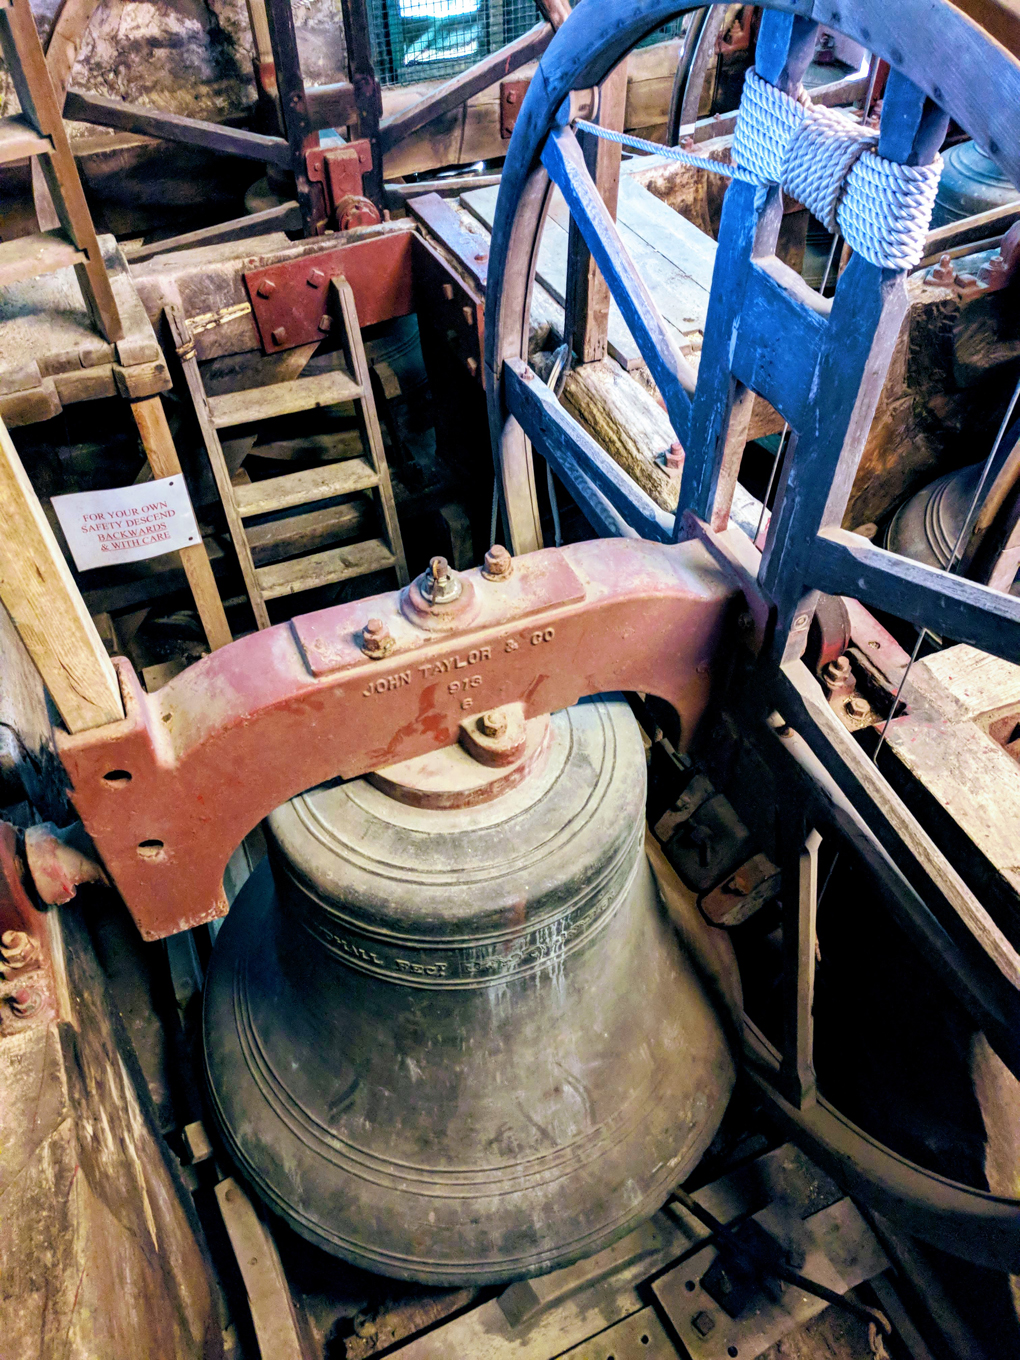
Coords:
169,791
289,301
341,171
511,97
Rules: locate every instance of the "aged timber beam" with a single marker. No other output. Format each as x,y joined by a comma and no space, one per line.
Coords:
46,607
172,127
529,47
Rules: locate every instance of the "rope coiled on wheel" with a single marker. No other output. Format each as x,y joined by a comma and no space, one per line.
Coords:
826,161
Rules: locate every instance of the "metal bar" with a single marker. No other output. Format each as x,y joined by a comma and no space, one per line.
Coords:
367,92
294,109
800,909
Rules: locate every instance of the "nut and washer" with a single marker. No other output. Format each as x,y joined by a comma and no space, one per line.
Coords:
440,585
376,640
498,563
18,949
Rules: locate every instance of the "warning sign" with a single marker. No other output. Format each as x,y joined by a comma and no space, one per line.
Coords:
127,523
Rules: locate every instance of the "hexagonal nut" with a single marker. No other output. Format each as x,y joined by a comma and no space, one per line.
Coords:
376,639
18,950
499,564
493,723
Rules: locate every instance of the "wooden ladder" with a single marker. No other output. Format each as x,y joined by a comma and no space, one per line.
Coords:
38,132
297,490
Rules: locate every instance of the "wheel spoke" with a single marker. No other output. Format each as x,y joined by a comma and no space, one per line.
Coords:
564,160
580,462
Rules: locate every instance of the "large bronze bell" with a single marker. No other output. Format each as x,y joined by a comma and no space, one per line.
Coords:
458,1041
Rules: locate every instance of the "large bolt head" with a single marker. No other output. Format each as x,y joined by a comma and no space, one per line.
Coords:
376,639
498,563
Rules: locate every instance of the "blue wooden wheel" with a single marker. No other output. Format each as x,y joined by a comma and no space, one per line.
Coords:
821,364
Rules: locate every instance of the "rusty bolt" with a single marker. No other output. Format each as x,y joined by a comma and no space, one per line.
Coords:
441,585
266,288
857,706
376,639
498,563
511,96
703,1323
325,322
492,724
26,1002
471,365
837,671
837,676
675,456
994,273
279,336
19,949
468,313
480,256
943,273
801,622
448,291
316,278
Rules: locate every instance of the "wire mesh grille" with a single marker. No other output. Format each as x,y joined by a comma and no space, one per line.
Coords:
431,39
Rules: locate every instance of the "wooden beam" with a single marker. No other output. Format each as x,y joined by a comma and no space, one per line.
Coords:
528,47
587,300
367,91
158,443
46,606
842,563
285,217
172,127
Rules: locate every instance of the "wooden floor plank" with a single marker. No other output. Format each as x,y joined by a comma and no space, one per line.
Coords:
673,256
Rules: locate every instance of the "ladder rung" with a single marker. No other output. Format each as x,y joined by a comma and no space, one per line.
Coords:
19,139
323,568
282,399
303,488
29,256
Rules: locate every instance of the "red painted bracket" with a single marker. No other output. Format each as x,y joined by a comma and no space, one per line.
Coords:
169,792
340,169
290,300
